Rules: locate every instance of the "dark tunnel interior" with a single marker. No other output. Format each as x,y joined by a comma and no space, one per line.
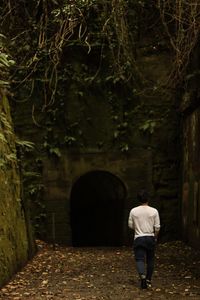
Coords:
97,209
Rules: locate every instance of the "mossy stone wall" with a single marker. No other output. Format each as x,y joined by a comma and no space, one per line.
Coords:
105,104
14,245
91,128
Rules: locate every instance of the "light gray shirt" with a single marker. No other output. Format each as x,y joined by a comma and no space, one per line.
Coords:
144,220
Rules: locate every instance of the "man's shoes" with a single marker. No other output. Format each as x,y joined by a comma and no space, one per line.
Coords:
148,283
143,283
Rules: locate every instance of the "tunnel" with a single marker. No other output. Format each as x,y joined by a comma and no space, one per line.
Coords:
97,210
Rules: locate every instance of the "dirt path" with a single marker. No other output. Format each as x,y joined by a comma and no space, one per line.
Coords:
105,273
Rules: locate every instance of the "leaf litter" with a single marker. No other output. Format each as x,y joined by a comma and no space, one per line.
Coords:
105,273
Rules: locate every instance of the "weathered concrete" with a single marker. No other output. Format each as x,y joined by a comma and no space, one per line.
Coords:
133,171
97,125
152,159
191,178
190,108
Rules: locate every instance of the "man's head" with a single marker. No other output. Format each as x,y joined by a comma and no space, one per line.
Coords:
143,196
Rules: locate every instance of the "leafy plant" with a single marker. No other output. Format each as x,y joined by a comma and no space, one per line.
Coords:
5,63
148,126
26,146
55,151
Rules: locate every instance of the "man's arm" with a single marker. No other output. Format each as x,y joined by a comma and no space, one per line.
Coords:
156,225
130,222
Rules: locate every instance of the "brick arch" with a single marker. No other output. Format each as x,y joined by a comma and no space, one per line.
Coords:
97,209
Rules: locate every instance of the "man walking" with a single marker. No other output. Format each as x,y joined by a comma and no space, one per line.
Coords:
145,222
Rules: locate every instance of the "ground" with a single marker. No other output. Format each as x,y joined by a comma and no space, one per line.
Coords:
105,273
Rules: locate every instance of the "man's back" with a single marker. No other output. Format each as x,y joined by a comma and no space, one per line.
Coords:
144,220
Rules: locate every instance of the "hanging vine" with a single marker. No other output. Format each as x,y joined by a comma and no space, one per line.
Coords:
46,27
181,21
45,30
121,41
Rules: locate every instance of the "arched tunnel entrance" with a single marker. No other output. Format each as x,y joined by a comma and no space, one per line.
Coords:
97,209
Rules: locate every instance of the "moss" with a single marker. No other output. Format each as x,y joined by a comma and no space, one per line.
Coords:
13,232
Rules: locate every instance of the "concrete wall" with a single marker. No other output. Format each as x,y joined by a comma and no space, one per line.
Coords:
191,178
134,171
151,159
127,129
190,108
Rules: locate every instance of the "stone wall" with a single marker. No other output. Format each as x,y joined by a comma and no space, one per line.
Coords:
151,160
191,178
191,174
134,171
14,243
190,108
99,122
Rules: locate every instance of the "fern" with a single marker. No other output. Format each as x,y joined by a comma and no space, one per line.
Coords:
25,144
2,138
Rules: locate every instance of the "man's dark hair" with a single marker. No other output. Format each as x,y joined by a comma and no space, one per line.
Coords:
143,196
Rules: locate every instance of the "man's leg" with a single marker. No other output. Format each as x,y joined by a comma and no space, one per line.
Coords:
150,263
140,254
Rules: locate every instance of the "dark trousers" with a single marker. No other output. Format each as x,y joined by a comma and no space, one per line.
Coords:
144,250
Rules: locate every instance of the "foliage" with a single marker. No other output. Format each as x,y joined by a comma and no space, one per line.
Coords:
5,63
25,145
8,151
50,36
81,46
181,21
47,28
149,125
107,34
7,140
